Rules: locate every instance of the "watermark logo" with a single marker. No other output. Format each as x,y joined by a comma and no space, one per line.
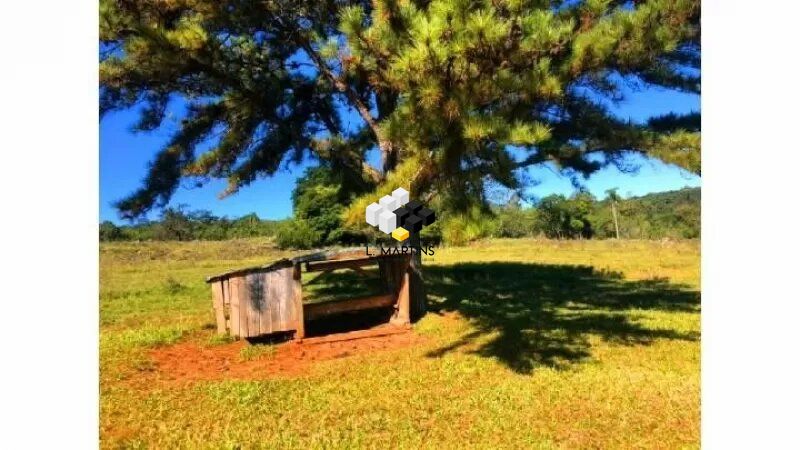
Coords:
397,216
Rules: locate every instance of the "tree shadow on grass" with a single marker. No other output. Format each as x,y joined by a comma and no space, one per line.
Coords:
545,314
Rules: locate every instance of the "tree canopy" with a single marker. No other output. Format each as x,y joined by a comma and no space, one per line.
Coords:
453,93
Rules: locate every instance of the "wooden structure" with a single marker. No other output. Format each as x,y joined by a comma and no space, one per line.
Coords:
268,299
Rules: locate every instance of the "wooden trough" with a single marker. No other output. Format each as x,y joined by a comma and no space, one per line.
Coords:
263,300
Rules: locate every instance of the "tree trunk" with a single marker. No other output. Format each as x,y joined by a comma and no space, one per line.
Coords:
418,297
614,215
388,155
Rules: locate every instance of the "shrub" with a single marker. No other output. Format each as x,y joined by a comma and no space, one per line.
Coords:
346,236
515,222
464,228
297,234
453,234
433,233
320,198
110,232
175,225
173,286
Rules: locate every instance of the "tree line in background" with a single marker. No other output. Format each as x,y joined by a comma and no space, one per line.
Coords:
178,224
318,208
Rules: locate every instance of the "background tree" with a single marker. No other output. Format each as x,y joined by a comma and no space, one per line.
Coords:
442,87
513,221
175,225
110,232
246,226
318,201
561,217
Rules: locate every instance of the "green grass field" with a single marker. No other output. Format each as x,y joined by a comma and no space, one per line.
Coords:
528,344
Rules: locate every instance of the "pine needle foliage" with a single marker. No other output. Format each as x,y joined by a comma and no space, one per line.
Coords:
444,88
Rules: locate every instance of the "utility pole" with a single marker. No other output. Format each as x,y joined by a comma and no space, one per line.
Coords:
613,197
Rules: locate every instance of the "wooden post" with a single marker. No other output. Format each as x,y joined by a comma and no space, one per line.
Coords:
418,298
401,315
298,303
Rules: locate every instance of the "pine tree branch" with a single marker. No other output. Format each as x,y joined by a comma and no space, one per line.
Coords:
388,152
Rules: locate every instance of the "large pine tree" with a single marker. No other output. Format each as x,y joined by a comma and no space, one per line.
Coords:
444,88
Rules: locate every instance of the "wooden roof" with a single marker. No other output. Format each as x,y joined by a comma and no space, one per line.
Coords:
347,253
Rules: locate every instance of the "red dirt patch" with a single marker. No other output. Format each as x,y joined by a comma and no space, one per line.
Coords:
191,362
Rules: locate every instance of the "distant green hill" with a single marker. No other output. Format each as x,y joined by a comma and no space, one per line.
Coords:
670,198
674,214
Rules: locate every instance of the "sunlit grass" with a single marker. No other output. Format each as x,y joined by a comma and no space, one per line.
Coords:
256,351
529,344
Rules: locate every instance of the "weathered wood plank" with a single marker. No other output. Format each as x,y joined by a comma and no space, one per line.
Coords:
255,290
261,302
276,299
217,299
357,334
314,311
348,253
264,321
317,266
288,310
344,254
244,271
282,298
244,305
226,303
297,291
235,329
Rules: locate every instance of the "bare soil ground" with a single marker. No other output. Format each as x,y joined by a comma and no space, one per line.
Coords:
189,361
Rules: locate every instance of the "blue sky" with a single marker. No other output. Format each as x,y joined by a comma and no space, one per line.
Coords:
124,156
